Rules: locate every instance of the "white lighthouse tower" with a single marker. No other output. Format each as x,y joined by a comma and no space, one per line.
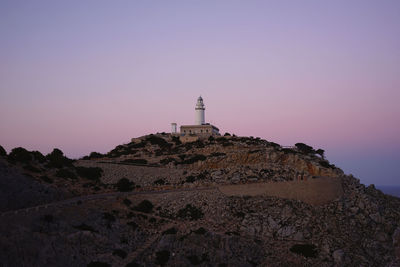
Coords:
200,111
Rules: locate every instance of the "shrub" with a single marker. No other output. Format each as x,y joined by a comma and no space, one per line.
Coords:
31,168
120,253
227,134
3,152
167,160
194,260
127,202
124,185
20,154
307,250
320,152
176,140
304,148
90,173
200,231
135,161
95,155
170,231
65,173
46,179
133,225
190,212
194,159
275,145
155,140
85,227
132,264
159,182
48,218
326,164
57,159
108,217
144,206
38,156
98,264
162,257
217,154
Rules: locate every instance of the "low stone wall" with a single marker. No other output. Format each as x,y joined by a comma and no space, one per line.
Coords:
316,191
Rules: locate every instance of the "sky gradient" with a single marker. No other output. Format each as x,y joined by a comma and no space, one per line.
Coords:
89,75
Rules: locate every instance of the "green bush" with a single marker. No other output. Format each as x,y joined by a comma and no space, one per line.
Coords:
176,140
127,202
190,212
46,179
194,159
3,152
66,174
155,140
306,149
90,173
162,257
320,152
120,253
195,260
170,231
31,168
85,227
167,160
135,161
144,206
133,225
38,156
326,164
98,264
20,154
95,155
200,231
159,182
306,250
132,264
108,217
56,159
217,154
124,185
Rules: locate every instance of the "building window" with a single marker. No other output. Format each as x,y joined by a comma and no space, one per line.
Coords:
201,130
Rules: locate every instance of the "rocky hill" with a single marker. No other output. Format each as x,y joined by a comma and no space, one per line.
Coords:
228,201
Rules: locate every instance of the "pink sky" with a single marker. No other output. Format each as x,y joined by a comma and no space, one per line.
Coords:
89,76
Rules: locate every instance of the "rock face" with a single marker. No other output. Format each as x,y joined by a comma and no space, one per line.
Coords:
196,223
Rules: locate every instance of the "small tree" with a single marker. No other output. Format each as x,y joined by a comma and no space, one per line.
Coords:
304,148
3,152
20,154
321,153
124,185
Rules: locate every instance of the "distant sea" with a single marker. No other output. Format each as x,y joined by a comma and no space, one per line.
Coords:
389,190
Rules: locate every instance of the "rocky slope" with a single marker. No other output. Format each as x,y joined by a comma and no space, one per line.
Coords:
193,222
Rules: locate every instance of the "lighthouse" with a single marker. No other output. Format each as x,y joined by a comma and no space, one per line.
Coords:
200,120
200,129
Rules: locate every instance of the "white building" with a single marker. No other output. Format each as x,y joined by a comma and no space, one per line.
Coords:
200,129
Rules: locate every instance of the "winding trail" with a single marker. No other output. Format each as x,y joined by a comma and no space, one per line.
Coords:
112,195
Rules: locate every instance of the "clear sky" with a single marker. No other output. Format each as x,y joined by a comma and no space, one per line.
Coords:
88,75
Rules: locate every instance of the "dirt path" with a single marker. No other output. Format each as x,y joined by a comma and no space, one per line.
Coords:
75,200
